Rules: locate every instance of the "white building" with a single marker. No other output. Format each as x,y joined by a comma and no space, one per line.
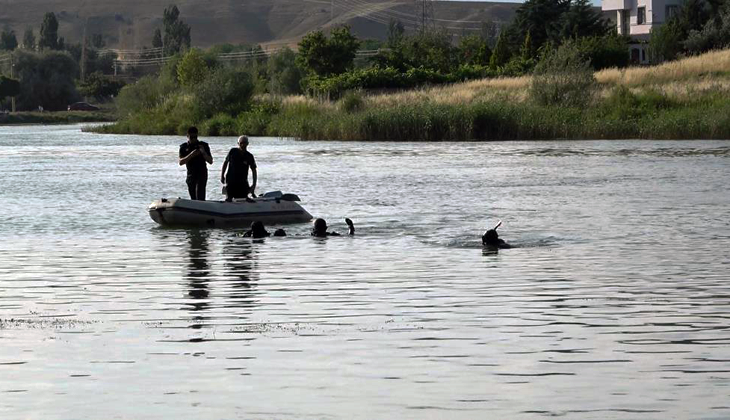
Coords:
637,18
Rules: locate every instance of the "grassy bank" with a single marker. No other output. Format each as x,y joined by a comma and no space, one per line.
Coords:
686,99
61,117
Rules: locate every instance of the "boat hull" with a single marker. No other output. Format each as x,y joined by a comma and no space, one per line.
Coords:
220,214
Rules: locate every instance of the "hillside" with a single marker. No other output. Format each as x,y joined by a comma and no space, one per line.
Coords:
131,23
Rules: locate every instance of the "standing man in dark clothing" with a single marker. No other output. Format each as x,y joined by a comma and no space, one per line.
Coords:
194,154
237,162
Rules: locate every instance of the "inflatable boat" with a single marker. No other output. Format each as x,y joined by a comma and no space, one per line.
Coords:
270,208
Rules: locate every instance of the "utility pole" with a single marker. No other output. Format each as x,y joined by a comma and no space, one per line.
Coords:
12,67
83,53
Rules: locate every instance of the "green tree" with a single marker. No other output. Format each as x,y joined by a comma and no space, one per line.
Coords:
29,39
582,20
177,33
192,68
284,74
46,79
563,77
543,19
501,54
526,52
328,56
226,90
714,35
8,87
157,39
100,87
8,40
396,31
606,51
666,42
49,33
473,49
490,33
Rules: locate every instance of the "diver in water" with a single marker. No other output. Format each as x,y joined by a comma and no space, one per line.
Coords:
319,229
258,231
491,239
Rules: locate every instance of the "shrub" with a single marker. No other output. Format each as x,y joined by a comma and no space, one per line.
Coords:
605,51
257,119
220,125
352,101
147,93
564,78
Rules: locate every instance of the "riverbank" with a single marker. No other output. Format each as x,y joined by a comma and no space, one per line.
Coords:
60,117
685,99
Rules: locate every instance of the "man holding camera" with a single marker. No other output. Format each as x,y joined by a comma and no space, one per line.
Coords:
194,154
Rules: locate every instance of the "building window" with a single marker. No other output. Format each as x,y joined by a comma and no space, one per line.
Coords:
641,16
671,12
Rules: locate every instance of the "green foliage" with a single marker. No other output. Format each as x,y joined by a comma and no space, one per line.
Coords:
714,35
157,39
473,49
146,94
352,101
563,77
501,54
256,120
605,51
324,56
177,33
220,125
226,90
428,50
552,21
9,87
29,39
8,40
284,75
46,79
582,19
666,41
49,33
543,19
192,68
100,87
622,104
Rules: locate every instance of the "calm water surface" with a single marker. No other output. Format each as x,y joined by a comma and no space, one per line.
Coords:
615,302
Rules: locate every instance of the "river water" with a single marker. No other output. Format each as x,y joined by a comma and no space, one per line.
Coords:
614,303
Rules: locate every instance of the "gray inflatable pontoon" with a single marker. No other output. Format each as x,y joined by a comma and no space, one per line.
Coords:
270,208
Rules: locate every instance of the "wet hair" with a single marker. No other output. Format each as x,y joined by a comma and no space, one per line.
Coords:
490,237
319,228
279,232
258,230
193,131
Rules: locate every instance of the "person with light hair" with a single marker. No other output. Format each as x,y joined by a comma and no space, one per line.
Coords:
237,163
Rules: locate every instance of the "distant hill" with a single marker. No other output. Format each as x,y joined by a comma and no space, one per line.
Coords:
129,24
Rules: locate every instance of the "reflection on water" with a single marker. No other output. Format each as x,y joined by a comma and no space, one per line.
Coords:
198,271
614,302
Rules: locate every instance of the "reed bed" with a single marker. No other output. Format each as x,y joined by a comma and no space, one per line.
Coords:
687,99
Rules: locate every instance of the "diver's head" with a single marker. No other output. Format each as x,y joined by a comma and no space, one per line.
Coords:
319,228
490,237
258,230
